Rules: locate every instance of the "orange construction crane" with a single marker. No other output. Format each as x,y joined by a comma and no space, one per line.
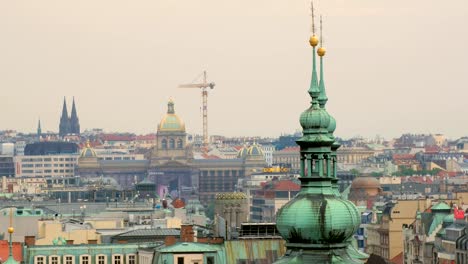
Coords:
203,86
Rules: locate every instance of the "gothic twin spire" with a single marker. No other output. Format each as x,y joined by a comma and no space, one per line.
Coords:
69,125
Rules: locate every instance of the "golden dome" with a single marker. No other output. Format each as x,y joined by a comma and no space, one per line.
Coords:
11,230
88,151
313,41
321,51
171,121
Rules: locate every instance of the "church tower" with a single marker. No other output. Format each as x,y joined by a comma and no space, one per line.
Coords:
69,125
318,224
74,121
39,130
64,126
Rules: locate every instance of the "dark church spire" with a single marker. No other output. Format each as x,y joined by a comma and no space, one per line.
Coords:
39,130
64,127
74,121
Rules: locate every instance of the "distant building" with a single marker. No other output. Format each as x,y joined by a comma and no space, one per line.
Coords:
385,237
50,148
7,166
270,198
69,124
60,165
288,156
233,207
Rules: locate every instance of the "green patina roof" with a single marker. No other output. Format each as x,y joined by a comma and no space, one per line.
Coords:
449,219
436,221
316,219
440,206
191,247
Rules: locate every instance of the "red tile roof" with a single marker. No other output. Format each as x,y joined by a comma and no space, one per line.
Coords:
290,149
17,251
398,259
113,137
432,149
146,137
447,174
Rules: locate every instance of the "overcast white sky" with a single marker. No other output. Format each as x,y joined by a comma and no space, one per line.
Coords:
391,66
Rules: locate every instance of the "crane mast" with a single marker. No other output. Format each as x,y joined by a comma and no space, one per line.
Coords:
203,86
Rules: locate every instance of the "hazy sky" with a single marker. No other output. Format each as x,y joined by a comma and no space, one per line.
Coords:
391,66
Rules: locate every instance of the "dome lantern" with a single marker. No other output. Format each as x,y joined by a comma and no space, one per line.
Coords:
171,122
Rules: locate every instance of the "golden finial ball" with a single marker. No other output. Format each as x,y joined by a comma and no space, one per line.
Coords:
321,51
314,41
11,230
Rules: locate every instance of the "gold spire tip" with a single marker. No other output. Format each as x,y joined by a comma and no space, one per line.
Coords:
321,51
313,41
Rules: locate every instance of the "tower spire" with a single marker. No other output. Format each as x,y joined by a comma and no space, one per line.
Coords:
64,108
74,121
39,130
317,223
321,52
64,126
314,90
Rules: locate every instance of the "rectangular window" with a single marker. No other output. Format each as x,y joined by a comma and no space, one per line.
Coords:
117,259
101,260
68,260
84,260
210,260
39,260
131,259
54,260
180,260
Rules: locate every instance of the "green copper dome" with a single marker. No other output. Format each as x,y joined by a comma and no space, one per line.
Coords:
315,118
332,126
317,219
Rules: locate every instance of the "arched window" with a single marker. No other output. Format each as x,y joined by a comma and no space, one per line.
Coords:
164,144
179,143
172,143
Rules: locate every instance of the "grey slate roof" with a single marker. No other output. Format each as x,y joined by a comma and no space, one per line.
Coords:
162,232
